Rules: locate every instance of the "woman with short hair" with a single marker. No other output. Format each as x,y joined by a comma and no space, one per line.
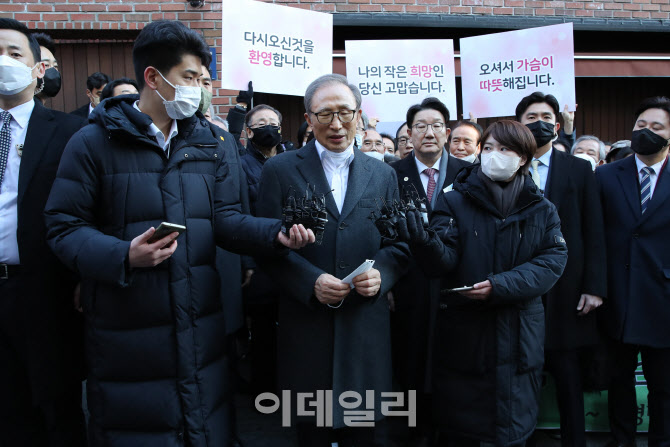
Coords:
492,230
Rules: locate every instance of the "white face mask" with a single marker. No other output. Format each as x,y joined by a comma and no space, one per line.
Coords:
375,154
499,167
469,158
15,76
185,103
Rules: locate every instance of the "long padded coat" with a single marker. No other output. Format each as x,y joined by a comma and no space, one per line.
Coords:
154,336
488,355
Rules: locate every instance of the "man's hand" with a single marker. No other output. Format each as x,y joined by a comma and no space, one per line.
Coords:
411,229
245,96
568,120
330,290
299,236
143,254
481,291
587,303
247,277
77,298
368,283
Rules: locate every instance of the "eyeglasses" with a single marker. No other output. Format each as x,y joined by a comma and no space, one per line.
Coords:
423,127
402,141
377,144
345,116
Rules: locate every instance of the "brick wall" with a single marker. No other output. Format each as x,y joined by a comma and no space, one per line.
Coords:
132,15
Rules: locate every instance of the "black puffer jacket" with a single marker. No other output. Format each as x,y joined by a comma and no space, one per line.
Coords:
489,354
154,336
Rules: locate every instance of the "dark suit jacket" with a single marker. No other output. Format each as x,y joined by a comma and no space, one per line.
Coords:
344,349
56,338
571,187
81,112
416,296
637,310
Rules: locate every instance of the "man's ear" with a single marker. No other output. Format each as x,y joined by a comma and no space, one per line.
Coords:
41,68
523,161
150,77
557,128
309,121
447,132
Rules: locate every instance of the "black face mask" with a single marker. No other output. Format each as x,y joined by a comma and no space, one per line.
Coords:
266,136
646,142
52,82
542,131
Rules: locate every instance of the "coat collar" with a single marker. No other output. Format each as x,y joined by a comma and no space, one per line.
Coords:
41,127
311,169
409,177
626,173
470,185
559,171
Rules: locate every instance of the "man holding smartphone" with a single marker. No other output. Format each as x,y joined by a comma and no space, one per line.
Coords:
155,329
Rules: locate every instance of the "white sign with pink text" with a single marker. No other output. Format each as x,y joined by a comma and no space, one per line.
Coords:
280,48
498,70
392,75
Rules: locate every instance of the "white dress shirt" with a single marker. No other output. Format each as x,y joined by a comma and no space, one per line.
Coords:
336,167
154,131
90,108
653,178
18,128
424,175
543,169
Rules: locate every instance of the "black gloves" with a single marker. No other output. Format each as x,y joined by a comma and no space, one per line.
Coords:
411,229
246,96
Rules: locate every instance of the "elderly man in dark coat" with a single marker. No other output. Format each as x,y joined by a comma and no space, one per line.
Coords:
332,337
155,330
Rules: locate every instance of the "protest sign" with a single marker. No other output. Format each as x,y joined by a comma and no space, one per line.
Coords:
281,49
498,70
394,74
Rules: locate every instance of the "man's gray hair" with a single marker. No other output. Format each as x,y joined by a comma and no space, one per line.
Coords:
366,120
330,79
602,153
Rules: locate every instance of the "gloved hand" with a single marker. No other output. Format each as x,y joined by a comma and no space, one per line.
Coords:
245,97
411,229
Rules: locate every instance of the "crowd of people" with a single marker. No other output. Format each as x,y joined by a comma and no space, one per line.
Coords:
499,253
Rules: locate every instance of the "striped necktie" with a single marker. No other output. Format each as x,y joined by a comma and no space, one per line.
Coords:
5,141
431,183
645,187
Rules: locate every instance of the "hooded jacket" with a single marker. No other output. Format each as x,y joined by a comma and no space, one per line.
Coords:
488,354
154,336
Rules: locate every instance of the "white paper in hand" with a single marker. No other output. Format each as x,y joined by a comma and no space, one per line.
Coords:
364,267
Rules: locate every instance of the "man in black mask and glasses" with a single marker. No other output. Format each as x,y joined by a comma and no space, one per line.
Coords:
571,326
635,194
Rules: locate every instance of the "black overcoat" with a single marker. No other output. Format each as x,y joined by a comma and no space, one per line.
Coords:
415,295
321,348
572,189
638,256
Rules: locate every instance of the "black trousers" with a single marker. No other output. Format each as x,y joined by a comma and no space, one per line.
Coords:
564,366
58,422
622,403
311,436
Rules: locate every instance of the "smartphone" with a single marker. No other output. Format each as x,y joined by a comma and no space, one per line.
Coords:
462,289
164,229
